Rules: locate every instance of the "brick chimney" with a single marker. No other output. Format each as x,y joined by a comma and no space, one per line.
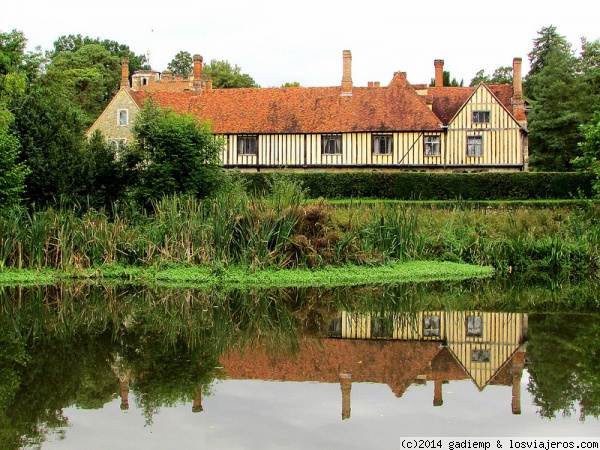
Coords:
518,98
197,72
347,74
439,72
124,72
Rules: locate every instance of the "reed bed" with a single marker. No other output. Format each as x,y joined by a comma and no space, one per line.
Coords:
282,229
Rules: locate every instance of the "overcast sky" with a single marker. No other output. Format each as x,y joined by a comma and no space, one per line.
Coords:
277,42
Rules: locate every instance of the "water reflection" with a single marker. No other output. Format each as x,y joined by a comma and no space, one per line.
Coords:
87,346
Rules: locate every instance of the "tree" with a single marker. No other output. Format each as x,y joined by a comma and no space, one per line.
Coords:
548,43
557,94
291,84
225,76
174,154
590,147
12,173
50,131
447,81
182,64
502,75
72,43
88,77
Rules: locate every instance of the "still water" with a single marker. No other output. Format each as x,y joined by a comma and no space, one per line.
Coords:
127,367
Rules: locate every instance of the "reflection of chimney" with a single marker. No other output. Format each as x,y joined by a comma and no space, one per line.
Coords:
124,72
518,363
124,393
346,385
347,74
439,72
197,72
197,405
437,393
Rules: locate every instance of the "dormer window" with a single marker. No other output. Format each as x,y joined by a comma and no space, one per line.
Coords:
481,116
123,117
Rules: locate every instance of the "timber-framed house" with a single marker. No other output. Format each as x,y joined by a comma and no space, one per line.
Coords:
400,126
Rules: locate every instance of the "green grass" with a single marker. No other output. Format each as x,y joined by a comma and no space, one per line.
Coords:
235,277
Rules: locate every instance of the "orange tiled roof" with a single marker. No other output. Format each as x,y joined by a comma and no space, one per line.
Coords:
396,107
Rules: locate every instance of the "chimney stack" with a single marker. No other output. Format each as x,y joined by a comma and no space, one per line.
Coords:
439,72
347,74
518,98
124,72
197,72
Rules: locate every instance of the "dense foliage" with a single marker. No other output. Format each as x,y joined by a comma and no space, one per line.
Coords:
563,89
437,186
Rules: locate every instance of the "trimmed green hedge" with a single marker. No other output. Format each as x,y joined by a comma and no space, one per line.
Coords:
437,186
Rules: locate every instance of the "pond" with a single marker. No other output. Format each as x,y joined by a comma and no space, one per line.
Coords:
124,366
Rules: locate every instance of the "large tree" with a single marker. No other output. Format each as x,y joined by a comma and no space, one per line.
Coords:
73,43
88,77
224,75
557,94
174,154
182,64
502,75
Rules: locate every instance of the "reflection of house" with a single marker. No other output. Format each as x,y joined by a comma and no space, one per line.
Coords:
399,350
397,126
480,342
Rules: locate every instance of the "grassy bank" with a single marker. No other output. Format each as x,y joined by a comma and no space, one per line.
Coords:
241,278
282,230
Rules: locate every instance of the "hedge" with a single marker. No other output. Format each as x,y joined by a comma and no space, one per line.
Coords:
435,185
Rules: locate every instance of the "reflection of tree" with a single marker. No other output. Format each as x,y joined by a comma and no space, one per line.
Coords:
564,351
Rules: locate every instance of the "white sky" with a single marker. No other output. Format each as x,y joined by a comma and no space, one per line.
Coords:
277,42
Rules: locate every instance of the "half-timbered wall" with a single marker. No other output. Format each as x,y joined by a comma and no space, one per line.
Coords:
501,136
306,150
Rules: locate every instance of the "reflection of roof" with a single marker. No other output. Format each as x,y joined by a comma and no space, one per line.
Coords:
396,107
395,363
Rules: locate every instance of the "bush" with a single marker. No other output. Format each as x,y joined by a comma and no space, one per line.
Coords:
436,186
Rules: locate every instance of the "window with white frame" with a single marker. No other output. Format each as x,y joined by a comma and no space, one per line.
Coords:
123,117
331,144
382,144
481,116
247,144
431,145
475,145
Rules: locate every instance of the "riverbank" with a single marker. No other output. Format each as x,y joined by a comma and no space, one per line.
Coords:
282,230
236,277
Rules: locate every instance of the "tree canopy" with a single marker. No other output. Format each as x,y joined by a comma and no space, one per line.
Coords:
182,64
562,96
502,75
224,75
173,154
